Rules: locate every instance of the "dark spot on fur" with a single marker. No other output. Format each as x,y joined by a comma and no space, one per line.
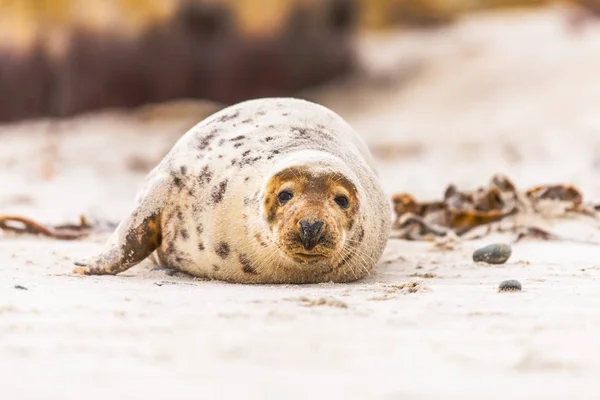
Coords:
246,179
205,141
229,117
180,214
246,265
268,138
170,216
246,201
238,145
300,132
261,113
221,142
222,250
271,126
200,246
350,224
191,192
178,259
177,182
205,175
237,138
218,191
220,156
184,234
233,162
249,161
216,268
199,229
197,207
244,154
183,170
259,240
306,133
247,121
285,114
361,235
171,248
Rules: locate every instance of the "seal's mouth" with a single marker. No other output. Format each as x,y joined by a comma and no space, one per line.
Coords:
308,257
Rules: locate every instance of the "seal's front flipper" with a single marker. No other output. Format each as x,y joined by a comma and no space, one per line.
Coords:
134,240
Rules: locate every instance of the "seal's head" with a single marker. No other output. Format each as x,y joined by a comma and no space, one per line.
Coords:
310,211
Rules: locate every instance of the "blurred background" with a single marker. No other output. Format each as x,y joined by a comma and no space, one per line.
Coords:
93,93
60,58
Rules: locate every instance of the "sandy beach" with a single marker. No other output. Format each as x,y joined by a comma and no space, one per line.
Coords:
512,93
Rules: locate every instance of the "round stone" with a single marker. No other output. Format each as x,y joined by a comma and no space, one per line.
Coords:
497,253
510,285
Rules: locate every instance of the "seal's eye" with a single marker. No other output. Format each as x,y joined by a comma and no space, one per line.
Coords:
284,196
342,201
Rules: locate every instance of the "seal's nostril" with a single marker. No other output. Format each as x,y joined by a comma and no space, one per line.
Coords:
310,233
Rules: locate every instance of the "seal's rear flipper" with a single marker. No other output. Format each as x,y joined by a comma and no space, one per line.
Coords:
134,240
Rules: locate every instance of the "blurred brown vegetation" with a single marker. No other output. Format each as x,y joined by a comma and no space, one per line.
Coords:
381,14
62,61
23,20
63,57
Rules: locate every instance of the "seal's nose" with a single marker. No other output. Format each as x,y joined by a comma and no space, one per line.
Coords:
310,233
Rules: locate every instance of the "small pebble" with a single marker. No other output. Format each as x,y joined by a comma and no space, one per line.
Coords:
496,253
20,287
511,285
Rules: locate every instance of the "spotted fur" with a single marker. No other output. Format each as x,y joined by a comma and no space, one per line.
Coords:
210,207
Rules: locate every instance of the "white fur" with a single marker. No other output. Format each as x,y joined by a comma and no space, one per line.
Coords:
300,133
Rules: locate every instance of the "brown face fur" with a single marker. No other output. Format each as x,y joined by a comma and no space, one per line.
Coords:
316,204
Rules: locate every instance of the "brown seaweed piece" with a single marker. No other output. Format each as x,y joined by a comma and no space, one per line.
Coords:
460,211
23,225
568,195
200,52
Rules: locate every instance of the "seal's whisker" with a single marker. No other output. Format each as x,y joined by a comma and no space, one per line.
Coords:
363,261
363,257
360,251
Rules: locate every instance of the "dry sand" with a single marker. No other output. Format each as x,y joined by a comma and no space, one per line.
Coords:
513,93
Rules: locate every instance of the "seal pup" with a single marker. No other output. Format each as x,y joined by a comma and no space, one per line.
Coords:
273,190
